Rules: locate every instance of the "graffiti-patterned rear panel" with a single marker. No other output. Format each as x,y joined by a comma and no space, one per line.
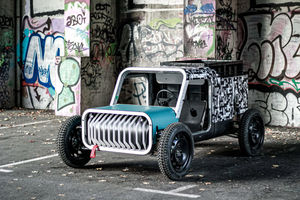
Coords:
229,94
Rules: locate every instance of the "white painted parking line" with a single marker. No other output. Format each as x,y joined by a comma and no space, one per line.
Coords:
28,161
6,170
183,188
171,192
27,124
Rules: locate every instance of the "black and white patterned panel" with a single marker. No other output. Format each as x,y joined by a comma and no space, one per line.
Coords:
223,100
201,73
229,95
241,93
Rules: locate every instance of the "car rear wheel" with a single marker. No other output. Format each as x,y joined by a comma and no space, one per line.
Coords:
69,143
176,149
251,133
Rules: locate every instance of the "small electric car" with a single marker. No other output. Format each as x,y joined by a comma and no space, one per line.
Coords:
183,102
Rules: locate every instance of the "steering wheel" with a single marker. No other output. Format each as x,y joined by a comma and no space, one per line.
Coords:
165,101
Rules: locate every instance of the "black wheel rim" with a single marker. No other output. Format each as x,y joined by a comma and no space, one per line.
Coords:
180,152
75,143
256,132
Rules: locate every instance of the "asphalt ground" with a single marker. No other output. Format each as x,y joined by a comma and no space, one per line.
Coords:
31,169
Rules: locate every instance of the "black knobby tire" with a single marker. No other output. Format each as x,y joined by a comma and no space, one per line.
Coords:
69,143
251,133
176,151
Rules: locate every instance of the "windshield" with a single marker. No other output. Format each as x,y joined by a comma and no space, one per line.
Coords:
156,88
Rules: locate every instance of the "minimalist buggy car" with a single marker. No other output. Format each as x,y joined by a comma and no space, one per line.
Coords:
182,102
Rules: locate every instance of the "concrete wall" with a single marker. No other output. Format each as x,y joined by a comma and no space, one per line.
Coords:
265,35
7,54
269,35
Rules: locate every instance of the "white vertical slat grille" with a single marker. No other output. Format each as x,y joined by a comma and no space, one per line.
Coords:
117,132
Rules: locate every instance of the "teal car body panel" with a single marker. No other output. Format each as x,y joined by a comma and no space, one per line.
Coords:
161,117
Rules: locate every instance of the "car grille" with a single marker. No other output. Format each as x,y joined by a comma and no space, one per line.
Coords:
116,131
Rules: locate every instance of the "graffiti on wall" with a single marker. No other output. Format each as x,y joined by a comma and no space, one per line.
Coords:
6,22
68,86
199,28
134,91
271,55
91,74
103,31
278,108
42,42
226,29
6,61
160,40
6,57
77,27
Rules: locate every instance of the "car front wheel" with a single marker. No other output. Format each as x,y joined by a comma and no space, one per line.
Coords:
69,143
176,149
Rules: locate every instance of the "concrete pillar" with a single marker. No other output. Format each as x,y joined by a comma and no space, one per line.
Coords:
7,54
98,71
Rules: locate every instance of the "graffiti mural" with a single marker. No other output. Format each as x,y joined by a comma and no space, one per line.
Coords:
270,50
42,42
68,86
77,27
199,28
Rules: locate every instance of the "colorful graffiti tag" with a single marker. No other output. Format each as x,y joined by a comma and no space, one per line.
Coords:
199,28
42,42
68,87
77,27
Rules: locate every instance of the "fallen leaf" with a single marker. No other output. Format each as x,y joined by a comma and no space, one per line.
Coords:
125,169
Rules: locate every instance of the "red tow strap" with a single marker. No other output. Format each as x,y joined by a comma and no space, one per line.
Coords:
93,152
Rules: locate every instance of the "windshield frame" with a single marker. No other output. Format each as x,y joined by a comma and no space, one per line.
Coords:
146,70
